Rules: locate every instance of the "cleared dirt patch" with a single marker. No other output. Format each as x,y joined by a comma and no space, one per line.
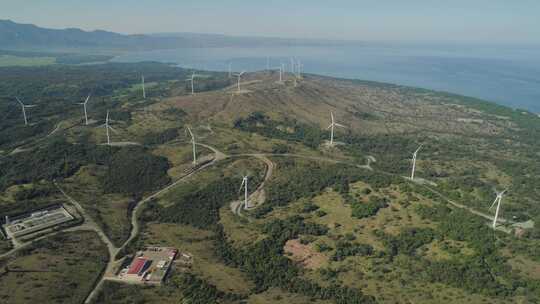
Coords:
304,254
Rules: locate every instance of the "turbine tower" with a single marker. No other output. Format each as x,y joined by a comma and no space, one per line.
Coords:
191,80
143,90
497,201
23,106
107,128
280,73
414,162
84,105
193,143
245,185
239,75
331,127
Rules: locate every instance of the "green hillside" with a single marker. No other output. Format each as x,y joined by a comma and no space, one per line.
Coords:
338,223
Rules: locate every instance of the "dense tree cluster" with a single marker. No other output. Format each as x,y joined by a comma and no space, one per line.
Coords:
346,249
158,138
133,170
200,208
289,130
197,291
55,159
370,208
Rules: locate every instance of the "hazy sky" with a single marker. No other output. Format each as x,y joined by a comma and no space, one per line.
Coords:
499,21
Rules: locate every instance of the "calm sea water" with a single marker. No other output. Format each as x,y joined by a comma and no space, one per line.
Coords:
506,75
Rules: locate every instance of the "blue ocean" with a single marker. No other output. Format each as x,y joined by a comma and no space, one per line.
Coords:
508,75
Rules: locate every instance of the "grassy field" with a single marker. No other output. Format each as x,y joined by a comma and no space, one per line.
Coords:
60,269
9,60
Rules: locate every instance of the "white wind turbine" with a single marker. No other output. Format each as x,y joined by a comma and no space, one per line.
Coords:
191,79
23,106
239,75
107,128
415,154
193,143
84,105
245,185
143,90
280,68
497,201
331,127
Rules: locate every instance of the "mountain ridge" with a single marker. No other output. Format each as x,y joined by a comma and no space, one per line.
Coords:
17,36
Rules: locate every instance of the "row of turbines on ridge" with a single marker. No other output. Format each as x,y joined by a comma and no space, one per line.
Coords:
296,70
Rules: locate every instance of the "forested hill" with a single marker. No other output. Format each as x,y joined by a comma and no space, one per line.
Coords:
17,36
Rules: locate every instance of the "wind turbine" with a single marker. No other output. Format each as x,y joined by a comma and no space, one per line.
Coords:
414,161
191,80
23,106
497,201
84,105
292,65
107,128
331,127
280,73
193,143
245,185
143,90
239,75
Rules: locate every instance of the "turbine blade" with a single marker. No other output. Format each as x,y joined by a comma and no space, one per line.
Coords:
242,185
339,125
19,101
329,126
112,129
30,106
494,202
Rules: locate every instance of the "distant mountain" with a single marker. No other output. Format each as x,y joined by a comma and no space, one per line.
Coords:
16,36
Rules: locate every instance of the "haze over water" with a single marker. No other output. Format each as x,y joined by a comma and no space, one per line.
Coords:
507,75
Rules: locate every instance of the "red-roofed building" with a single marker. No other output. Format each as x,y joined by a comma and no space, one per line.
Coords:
138,267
